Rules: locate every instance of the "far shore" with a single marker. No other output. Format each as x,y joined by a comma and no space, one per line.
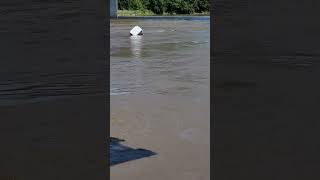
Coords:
190,17
148,13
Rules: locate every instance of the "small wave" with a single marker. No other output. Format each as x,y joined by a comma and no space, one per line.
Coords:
116,91
160,30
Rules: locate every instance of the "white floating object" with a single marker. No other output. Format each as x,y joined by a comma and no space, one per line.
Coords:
136,31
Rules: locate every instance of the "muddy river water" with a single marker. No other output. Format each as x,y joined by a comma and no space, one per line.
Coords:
160,97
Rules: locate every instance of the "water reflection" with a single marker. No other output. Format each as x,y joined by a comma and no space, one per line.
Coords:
136,45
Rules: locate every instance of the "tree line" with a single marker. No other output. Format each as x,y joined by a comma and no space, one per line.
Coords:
166,6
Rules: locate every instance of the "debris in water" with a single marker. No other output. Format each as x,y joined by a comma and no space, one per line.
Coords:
136,31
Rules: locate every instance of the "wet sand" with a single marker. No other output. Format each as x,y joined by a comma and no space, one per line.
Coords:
160,99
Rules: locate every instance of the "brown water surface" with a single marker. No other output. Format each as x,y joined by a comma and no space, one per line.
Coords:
160,97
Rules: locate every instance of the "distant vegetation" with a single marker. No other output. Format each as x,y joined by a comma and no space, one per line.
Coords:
161,7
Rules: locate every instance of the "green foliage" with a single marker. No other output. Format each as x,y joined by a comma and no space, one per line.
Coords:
157,6
179,7
201,6
143,12
166,6
123,4
135,5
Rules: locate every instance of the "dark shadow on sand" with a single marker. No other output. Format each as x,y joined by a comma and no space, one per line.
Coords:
121,154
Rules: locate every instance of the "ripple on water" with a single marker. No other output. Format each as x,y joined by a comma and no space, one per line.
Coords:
172,57
32,87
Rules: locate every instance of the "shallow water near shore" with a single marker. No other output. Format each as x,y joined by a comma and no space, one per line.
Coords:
160,97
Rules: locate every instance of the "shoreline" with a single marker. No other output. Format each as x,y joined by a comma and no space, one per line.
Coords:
164,17
150,13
